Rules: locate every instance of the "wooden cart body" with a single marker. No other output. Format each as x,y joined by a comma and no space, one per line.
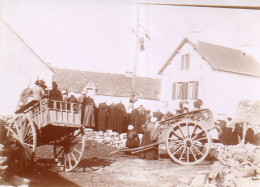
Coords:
185,137
44,122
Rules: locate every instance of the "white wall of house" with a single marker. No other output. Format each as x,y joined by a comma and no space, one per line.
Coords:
220,91
19,67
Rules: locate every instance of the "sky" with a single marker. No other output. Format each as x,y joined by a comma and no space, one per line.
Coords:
100,35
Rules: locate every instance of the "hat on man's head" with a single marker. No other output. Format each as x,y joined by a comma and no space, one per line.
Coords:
130,127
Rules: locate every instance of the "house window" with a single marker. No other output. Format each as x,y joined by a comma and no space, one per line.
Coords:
185,90
185,61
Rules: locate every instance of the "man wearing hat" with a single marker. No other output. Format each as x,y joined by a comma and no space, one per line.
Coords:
37,92
55,94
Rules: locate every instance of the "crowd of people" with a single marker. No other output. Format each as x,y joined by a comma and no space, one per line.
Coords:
229,132
139,120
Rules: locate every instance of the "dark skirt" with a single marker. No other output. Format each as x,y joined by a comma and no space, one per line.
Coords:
151,154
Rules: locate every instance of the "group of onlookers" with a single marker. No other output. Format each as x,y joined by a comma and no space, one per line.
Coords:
229,132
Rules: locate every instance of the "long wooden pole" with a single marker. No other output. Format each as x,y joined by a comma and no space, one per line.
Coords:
136,49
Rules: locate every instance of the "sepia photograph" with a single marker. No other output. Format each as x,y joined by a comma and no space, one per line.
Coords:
133,93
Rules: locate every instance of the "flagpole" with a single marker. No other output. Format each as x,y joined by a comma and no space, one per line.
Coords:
136,50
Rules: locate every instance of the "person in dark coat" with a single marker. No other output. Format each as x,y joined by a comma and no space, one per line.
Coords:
82,100
139,121
72,99
158,115
119,118
133,140
55,94
151,154
89,114
112,117
249,137
102,117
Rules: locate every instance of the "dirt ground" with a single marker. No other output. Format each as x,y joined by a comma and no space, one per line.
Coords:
98,169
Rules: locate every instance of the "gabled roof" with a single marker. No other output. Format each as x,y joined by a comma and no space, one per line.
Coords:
221,58
107,84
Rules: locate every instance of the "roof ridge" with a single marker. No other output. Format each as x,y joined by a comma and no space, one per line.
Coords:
199,41
103,73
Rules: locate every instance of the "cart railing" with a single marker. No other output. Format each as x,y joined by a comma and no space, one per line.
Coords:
202,116
59,113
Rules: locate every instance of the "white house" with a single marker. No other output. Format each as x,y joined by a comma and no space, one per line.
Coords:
20,67
218,75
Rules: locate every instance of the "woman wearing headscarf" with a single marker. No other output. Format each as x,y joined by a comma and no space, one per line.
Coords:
132,138
151,154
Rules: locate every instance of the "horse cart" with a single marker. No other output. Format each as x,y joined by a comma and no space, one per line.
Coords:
185,137
46,122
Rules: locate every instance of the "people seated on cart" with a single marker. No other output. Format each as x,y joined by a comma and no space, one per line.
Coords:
37,91
55,95
184,107
72,99
168,115
197,104
151,154
132,140
158,114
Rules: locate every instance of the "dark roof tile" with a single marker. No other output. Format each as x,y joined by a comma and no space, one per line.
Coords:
107,84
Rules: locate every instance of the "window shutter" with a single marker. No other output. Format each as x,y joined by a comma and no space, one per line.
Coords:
196,90
187,63
182,61
173,90
186,90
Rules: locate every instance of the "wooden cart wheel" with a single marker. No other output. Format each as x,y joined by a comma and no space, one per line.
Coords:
187,142
21,141
69,149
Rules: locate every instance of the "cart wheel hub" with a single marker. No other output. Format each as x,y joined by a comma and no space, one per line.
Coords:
188,143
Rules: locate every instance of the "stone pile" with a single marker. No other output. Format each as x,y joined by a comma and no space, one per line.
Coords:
235,163
109,137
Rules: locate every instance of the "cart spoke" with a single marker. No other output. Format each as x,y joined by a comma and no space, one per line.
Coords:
17,130
194,130
183,150
204,138
28,138
172,132
188,154
187,125
76,150
61,151
178,149
72,154
193,154
27,145
28,131
68,155
14,134
197,134
181,131
198,150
